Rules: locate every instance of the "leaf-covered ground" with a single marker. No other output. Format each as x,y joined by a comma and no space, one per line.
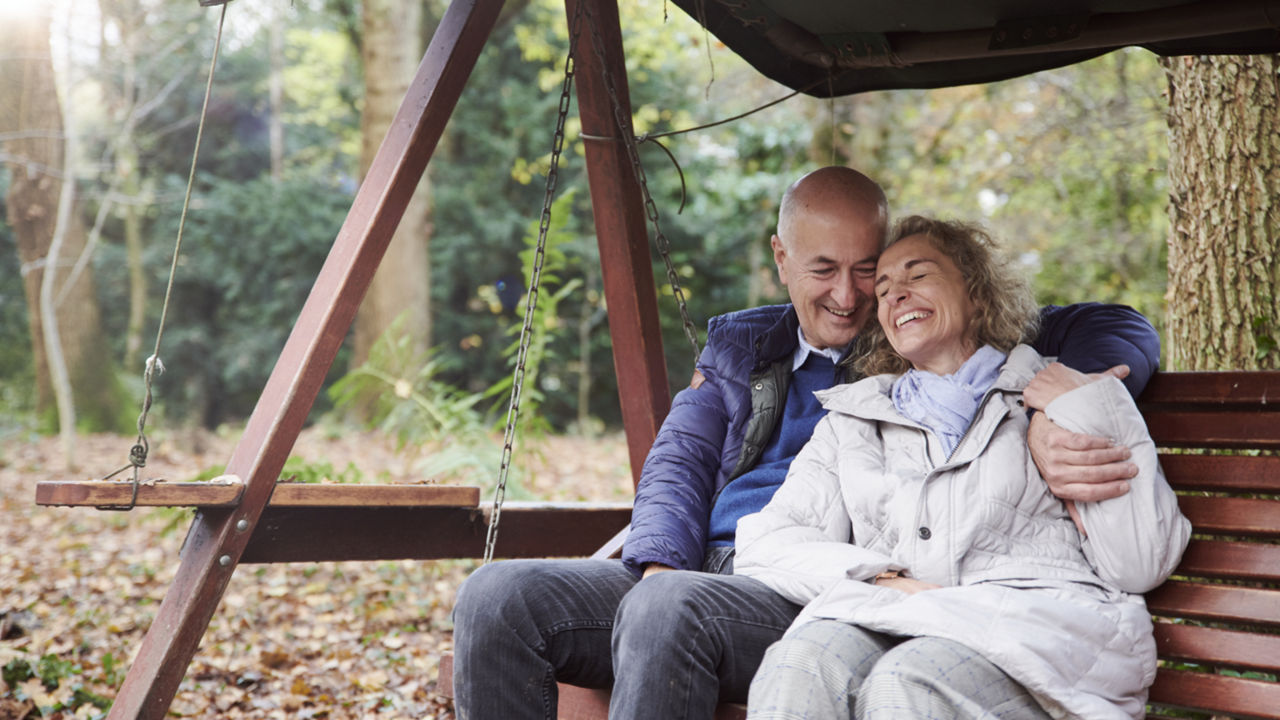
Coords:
79,587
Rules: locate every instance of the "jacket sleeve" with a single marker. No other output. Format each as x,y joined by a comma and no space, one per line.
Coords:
1091,337
800,544
673,499
1133,541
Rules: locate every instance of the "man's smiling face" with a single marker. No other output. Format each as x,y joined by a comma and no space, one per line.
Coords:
827,261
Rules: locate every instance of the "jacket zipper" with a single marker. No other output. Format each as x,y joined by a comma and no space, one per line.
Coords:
981,406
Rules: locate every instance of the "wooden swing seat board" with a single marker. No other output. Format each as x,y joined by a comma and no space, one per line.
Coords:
1217,619
337,522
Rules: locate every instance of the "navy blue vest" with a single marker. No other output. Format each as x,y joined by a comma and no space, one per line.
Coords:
750,492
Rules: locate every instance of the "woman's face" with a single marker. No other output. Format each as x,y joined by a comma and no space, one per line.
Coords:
924,306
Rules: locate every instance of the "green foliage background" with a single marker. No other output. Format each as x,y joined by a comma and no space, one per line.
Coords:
1066,166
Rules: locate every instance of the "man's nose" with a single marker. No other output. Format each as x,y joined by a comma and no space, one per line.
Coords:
845,292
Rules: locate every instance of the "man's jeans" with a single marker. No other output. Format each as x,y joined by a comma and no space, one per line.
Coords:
681,641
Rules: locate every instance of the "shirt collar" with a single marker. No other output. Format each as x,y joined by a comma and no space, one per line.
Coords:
804,348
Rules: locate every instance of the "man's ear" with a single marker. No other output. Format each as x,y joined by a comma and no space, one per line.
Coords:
779,257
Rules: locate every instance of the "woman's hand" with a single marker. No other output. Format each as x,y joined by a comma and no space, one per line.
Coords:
910,586
654,569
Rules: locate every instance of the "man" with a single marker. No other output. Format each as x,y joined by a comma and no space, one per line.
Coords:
682,632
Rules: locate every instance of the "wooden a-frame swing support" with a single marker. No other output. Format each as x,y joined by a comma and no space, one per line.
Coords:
220,538
252,528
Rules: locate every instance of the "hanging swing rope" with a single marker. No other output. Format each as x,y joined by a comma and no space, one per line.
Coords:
535,279
138,453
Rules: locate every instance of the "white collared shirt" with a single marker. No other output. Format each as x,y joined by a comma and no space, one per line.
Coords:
804,348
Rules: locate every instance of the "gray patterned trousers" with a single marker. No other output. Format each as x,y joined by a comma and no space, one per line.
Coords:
829,670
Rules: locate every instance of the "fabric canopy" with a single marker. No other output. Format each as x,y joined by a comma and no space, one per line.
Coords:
840,47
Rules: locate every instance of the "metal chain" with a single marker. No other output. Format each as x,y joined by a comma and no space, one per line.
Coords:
531,303
138,453
629,141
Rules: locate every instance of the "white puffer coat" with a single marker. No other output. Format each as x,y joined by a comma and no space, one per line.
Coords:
1020,585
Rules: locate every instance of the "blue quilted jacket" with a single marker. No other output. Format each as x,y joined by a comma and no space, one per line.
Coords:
718,427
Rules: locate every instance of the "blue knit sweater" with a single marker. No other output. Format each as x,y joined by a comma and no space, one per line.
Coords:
753,489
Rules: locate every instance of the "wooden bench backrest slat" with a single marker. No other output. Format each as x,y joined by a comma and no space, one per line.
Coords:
1239,696
1223,559
1216,389
1240,430
1231,515
1229,648
1216,603
1223,473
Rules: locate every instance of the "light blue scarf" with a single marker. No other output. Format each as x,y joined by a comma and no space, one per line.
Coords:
946,404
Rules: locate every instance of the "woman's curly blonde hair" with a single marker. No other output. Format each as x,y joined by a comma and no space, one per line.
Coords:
1005,312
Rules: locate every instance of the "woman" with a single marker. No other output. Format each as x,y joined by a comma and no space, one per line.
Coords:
915,522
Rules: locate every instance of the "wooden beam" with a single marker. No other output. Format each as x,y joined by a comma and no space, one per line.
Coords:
96,493
618,208
529,530
217,539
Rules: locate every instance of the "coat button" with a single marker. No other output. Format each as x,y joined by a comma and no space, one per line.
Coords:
759,386
924,533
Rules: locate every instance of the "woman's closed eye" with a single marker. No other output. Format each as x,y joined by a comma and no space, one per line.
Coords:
883,288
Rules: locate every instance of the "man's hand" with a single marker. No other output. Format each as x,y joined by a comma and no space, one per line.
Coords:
1057,379
654,568
1076,467
1079,467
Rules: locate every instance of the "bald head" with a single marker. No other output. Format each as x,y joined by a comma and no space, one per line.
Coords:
831,227
833,190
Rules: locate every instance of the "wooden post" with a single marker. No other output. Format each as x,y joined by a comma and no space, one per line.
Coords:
217,538
618,208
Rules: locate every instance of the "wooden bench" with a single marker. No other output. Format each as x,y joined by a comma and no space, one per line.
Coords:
1218,618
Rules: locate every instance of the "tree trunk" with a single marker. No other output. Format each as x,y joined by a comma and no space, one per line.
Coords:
31,120
136,327
123,100
1224,172
275,90
392,48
